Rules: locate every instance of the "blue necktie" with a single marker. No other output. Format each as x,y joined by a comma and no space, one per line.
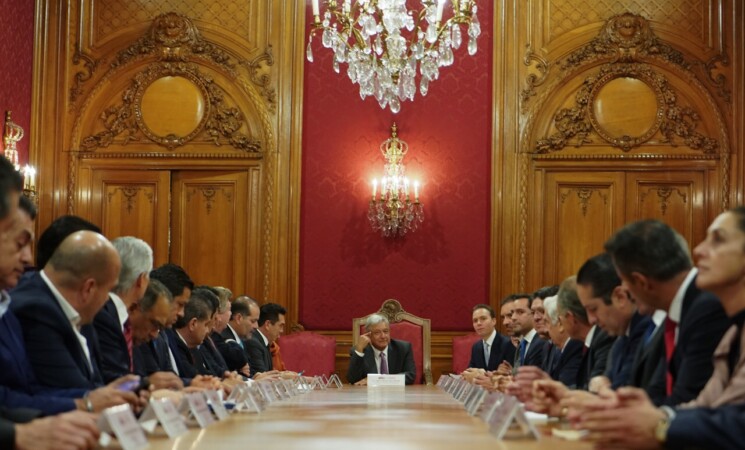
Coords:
523,347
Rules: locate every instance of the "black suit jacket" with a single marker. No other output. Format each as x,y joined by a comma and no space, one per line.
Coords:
400,360
114,356
595,359
534,355
232,351
18,386
52,347
502,350
153,356
650,356
212,358
259,356
623,352
701,327
188,361
566,363
719,428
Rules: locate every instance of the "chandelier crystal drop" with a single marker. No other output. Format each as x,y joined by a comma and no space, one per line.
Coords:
391,210
387,47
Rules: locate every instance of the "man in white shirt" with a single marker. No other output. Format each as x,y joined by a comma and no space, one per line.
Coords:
376,352
493,348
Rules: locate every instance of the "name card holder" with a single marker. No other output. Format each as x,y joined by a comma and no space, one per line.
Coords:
256,398
489,405
474,400
163,411
334,381
267,391
279,390
508,412
460,387
215,402
194,406
121,422
375,380
466,392
442,381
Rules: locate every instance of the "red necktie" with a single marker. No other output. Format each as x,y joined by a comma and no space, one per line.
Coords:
127,330
670,327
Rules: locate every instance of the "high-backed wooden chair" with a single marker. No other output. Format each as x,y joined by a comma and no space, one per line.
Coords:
405,327
462,351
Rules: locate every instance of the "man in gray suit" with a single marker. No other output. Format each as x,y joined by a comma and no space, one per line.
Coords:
376,352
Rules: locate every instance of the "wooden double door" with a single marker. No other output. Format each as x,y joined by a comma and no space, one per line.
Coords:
207,221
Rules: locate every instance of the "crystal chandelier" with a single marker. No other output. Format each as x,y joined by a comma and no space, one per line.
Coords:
384,45
393,213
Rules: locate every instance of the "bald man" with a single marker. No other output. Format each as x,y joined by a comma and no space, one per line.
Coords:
56,306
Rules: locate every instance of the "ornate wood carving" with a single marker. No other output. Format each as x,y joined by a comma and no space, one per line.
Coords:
663,195
624,38
130,196
209,193
220,121
532,80
583,194
577,123
258,73
718,81
89,67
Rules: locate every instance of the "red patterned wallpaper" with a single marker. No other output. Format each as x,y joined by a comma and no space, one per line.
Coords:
16,58
441,270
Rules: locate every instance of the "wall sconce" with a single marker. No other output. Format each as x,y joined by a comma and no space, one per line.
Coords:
392,211
11,135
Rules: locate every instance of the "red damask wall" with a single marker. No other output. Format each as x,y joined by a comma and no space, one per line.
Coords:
16,58
441,270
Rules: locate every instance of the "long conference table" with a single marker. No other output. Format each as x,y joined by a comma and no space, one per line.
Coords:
358,418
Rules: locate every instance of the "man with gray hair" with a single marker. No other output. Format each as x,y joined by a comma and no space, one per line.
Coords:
573,317
376,352
112,322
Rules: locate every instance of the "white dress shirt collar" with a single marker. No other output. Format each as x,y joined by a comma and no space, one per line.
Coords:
266,341
4,303
590,335
235,335
121,309
490,340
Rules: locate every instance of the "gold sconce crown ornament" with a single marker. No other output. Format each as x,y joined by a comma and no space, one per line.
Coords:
392,210
387,47
11,135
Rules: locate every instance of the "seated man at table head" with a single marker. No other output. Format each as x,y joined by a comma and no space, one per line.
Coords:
271,325
493,348
376,352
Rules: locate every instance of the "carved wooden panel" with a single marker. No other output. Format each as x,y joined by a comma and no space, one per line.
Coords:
212,215
578,212
133,203
675,197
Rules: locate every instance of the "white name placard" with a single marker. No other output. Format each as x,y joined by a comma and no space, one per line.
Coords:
381,380
121,422
163,411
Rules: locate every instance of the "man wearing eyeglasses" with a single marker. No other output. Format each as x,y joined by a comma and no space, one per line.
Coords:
376,352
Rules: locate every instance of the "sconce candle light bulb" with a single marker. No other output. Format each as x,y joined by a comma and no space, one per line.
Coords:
393,213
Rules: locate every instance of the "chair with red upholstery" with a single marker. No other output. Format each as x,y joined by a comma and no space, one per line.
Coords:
405,327
312,353
462,351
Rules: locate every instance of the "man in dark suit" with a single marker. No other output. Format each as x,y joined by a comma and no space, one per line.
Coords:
376,352
530,350
610,307
271,326
244,318
597,343
56,305
650,355
112,323
654,264
493,348
156,355
189,333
